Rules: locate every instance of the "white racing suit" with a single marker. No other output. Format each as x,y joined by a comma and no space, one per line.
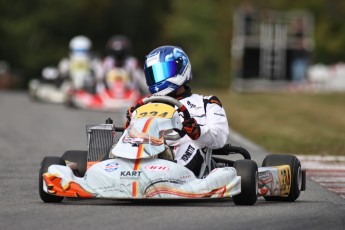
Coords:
80,68
210,115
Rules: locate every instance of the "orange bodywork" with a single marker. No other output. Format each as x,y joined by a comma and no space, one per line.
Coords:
90,163
72,189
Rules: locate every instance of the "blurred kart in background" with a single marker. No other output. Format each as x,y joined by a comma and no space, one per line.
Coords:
139,165
50,88
117,93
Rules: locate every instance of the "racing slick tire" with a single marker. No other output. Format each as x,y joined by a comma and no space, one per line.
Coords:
33,87
69,103
296,175
248,170
46,162
77,158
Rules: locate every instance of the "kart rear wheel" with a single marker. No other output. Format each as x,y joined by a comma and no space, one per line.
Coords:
46,162
248,170
70,104
296,175
69,100
79,157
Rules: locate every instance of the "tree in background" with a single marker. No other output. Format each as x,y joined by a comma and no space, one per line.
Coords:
203,29
36,33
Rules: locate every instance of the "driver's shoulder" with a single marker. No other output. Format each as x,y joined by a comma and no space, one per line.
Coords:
194,101
212,100
202,99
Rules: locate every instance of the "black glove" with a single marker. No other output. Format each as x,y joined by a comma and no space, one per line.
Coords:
128,116
191,128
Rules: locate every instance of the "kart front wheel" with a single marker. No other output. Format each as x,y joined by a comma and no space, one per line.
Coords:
248,170
46,162
296,174
77,157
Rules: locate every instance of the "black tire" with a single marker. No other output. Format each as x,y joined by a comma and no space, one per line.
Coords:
80,158
46,162
248,170
296,175
70,104
33,96
69,101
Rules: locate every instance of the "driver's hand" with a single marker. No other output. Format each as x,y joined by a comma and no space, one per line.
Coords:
191,128
128,116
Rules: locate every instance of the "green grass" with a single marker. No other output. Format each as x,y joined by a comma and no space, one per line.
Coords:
298,123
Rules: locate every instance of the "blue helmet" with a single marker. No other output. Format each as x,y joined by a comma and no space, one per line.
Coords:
166,69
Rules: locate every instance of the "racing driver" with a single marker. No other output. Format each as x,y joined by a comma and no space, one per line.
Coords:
167,71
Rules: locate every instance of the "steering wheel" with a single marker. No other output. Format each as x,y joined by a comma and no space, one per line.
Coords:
167,100
164,99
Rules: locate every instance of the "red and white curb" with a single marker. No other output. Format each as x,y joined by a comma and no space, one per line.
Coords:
328,171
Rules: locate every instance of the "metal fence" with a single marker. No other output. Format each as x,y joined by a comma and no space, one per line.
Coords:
265,43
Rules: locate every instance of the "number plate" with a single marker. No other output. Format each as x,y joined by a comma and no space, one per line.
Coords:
158,110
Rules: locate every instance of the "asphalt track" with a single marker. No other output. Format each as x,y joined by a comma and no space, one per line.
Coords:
29,131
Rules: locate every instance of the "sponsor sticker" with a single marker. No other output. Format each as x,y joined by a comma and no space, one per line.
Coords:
191,105
152,60
111,167
157,168
266,184
184,177
284,175
266,177
188,154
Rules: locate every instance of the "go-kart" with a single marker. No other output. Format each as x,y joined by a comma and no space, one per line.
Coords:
50,88
137,166
117,94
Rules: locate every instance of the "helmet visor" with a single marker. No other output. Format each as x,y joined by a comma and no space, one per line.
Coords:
161,71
